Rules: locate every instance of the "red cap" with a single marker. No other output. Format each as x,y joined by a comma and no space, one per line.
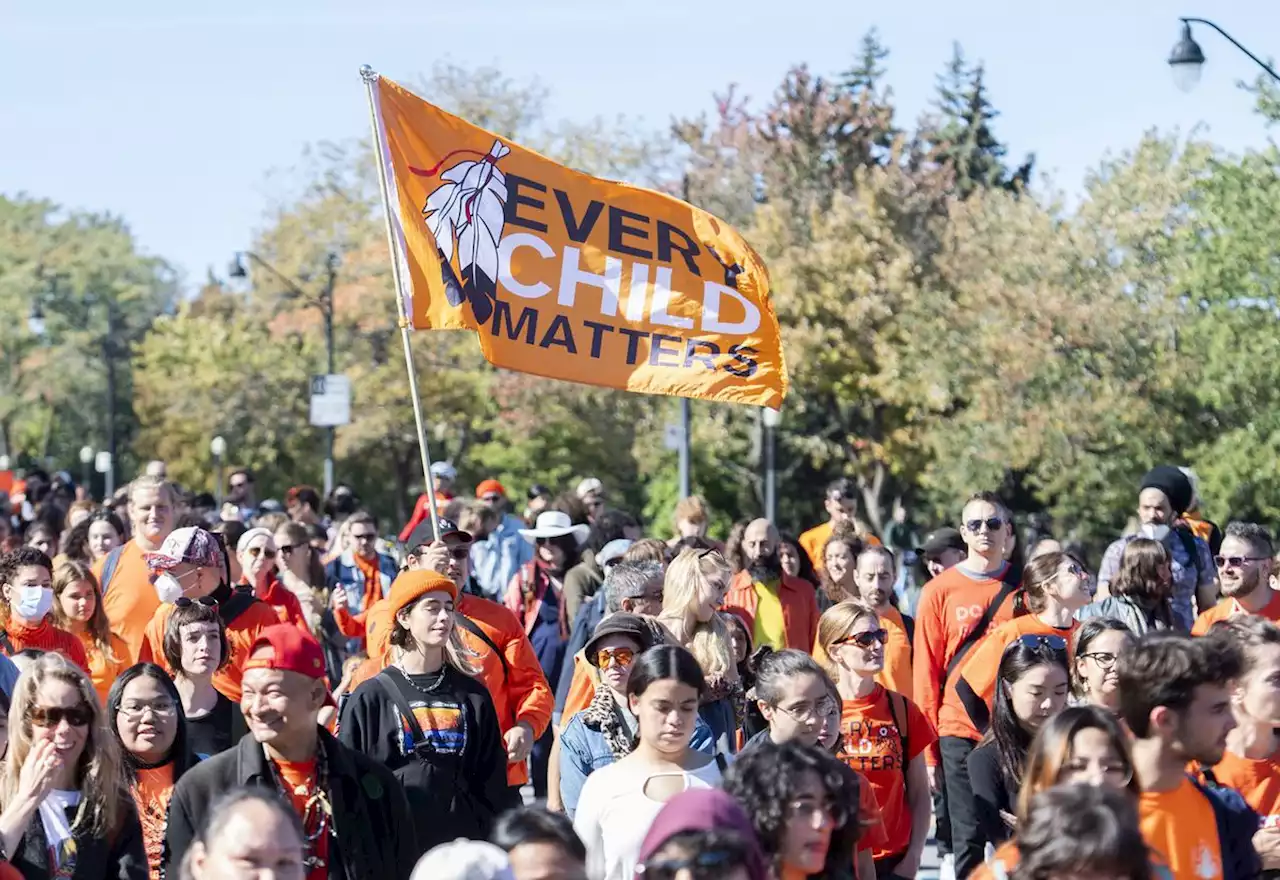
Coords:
490,487
292,650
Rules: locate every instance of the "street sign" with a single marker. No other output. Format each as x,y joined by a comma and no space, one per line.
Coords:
102,462
671,437
330,400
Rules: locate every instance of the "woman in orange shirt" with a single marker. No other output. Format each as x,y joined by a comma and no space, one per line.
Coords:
839,561
874,576
884,735
1249,764
77,608
1080,745
145,715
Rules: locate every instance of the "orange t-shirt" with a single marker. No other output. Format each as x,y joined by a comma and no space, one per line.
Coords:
871,745
130,600
870,818
44,636
103,669
241,634
151,793
815,539
1257,779
1180,826
979,669
950,606
300,778
1229,608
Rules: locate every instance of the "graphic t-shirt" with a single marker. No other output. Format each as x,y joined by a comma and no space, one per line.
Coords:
300,780
1258,780
872,745
57,830
1180,826
440,717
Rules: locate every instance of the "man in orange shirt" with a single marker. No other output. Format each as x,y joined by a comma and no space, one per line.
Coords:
874,576
509,667
952,607
191,566
1175,698
1245,568
841,505
779,610
128,599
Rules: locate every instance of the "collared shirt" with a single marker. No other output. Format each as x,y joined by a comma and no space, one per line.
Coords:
496,559
1188,576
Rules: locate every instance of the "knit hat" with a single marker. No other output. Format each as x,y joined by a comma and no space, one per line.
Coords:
704,810
415,583
1173,483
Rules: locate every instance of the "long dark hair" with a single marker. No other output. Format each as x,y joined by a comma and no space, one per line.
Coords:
1083,830
806,564
663,663
1010,739
766,779
180,752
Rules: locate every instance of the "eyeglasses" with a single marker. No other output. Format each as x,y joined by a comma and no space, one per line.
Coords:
1236,561
364,536
702,866
460,553
607,657
264,552
808,713
1104,659
809,810
160,709
52,716
1032,641
187,602
866,639
992,523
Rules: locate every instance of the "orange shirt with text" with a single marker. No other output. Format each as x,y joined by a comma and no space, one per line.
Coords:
130,600
1180,826
1229,608
871,745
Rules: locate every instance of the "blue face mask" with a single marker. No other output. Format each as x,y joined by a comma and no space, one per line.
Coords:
33,603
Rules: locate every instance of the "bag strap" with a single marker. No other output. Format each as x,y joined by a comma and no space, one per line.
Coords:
475,629
5,645
109,567
1007,588
241,600
1188,539
898,709
402,705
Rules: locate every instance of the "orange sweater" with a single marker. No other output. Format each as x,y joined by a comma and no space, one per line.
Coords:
979,670
44,636
950,606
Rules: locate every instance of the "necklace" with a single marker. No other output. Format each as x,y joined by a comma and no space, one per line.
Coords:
317,811
432,683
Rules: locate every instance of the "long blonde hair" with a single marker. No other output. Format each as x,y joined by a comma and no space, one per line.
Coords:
71,571
836,624
100,773
692,576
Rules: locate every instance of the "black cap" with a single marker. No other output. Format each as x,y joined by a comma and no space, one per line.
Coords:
622,623
423,534
938,540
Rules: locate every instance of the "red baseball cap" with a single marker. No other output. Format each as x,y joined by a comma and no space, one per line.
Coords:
292,650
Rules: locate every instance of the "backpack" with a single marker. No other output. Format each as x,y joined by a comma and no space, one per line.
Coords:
1237,823
1188,539
898,709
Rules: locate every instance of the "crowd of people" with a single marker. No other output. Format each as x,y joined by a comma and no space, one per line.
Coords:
262,689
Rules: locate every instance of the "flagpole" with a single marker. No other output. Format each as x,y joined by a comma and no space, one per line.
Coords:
370,77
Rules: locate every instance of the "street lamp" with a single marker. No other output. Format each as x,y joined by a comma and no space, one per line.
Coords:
324,303
1187,58
218,446
770,418
86,464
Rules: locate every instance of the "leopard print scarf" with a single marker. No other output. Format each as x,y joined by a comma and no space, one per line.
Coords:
604,715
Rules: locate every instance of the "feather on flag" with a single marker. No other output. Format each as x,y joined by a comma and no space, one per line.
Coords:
567,276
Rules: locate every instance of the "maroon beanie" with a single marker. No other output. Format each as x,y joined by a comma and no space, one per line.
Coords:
704,809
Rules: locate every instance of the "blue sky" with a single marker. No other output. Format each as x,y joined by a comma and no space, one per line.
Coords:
175,119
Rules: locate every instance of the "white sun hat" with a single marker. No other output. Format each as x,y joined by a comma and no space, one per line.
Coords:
554,524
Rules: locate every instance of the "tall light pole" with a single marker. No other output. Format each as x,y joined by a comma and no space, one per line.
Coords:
324,302
1187,58
770,419
86,465
218,446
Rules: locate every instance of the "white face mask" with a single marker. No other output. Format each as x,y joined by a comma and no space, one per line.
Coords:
1154,531
168,589
33,602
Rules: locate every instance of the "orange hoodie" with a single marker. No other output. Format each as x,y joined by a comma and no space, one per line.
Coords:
950,606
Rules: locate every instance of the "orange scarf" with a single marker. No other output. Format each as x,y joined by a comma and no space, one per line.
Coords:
372,579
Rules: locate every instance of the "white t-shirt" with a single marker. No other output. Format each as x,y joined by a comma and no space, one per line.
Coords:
614,814
53,815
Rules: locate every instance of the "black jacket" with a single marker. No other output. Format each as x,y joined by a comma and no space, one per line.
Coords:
123,857
373,833
455,789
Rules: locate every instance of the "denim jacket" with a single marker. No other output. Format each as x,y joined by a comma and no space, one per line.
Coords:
496,559
343,572
583,751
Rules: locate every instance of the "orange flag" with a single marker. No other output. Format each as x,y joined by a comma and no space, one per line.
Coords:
568,276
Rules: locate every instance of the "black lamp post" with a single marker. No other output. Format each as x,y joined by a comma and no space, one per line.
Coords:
1187,59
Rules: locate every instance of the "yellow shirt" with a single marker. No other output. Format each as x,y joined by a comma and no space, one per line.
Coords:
771,627
1180,826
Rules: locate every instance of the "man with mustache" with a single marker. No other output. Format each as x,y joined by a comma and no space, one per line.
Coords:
1245,569
779,610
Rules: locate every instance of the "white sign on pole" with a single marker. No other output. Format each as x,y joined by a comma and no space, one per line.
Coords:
671,438
330,400
102,462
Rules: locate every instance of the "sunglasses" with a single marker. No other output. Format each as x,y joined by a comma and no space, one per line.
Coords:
491,499
366,536
287,549
703,866
866,639
1032,642
187,602
52,716
1236,561
607,657
992,523
264,552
